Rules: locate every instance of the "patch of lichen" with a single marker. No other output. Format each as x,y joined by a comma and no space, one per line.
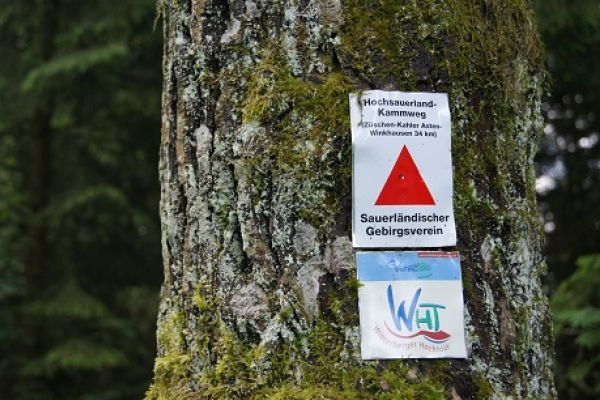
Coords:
307,121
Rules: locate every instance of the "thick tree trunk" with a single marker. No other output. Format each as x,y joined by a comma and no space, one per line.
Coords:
260,292
38,185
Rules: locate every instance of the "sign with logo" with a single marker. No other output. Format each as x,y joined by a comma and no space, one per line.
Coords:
402,170
411,305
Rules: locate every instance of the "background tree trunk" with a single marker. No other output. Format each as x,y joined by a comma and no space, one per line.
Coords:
260,291
39,173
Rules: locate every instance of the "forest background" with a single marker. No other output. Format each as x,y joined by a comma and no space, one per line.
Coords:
80,252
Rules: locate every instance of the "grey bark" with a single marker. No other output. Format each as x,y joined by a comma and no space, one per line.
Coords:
259,298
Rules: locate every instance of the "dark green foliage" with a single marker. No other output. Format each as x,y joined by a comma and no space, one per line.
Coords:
576,306
11,272
570,154
79,234
570,165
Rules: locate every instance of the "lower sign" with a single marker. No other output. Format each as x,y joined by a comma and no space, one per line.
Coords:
411,305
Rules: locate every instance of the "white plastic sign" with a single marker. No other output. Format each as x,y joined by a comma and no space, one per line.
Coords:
402,170
411,305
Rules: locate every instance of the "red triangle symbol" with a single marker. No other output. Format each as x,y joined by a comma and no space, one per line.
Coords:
404,186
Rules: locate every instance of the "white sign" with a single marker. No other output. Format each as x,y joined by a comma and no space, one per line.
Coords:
402,170
411,305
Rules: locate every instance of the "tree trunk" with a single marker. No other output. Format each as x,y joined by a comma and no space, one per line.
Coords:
39,164
260,291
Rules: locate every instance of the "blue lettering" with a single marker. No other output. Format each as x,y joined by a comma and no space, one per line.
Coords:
400,316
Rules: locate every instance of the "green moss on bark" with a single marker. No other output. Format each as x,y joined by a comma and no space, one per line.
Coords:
281,160
315,365
171,368
307,123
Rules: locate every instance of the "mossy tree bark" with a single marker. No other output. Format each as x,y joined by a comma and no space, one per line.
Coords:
260,294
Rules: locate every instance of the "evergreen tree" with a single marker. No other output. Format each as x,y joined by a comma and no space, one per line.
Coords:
79,86
569,160
576,308
569,186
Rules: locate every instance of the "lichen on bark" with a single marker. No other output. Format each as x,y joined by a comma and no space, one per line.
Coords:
260,292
